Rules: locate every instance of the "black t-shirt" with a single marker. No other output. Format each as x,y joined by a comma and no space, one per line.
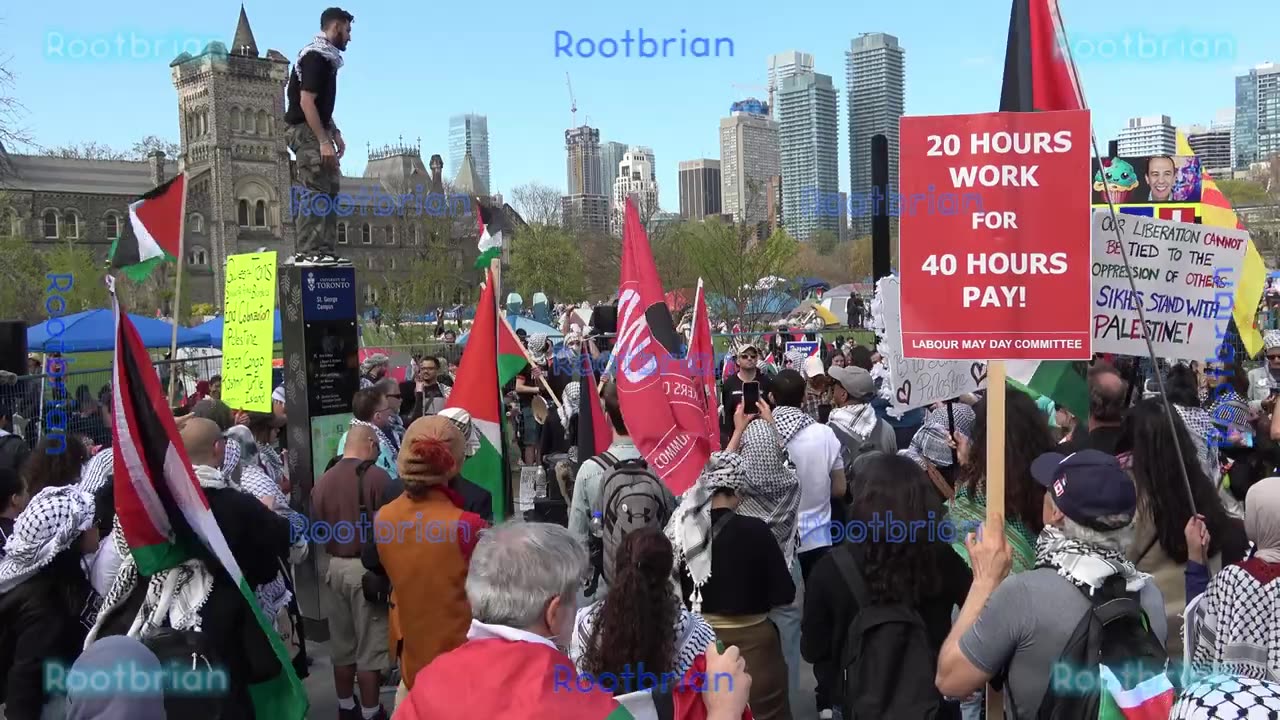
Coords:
748,573
731,397
318,76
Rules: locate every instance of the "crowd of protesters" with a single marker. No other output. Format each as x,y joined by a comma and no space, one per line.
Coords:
1168,504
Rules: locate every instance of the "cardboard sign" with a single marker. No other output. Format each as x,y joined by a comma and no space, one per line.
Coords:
917,383
248,331
1184,275
995,236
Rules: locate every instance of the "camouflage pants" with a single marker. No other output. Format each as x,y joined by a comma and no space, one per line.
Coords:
315,219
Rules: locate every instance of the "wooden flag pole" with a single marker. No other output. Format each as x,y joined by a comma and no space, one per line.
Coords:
995,479
177,290
529,358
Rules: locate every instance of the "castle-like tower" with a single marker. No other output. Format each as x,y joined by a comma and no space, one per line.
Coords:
231,114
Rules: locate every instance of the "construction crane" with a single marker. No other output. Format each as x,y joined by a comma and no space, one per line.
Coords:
573,102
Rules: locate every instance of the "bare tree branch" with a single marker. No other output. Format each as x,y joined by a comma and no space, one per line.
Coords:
538,204
12,134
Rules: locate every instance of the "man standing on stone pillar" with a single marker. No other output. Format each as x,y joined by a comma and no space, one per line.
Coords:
315,140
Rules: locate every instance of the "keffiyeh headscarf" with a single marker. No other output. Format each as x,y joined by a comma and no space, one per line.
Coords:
319,44
1087,565
462,420
388,447
794,360
689,529
538,348
175,596
97,472
569,404
930,441
1271,340
773,492
52,522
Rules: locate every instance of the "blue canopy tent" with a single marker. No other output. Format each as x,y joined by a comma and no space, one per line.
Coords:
530,326
762,305
95,330
214,328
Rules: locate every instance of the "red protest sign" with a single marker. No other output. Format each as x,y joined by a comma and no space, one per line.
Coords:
994,236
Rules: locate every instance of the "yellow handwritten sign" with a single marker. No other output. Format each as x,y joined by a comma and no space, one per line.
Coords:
248,331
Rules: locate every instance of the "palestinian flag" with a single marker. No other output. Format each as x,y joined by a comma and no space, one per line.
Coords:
493,358
1039,76
162,510
593,427
490,233
156,219
1151,699
1061,381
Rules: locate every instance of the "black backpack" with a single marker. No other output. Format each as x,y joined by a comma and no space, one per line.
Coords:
887,662
1114,632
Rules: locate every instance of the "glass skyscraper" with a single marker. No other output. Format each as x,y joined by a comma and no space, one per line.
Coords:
875,68
810,149
470,132
1257,132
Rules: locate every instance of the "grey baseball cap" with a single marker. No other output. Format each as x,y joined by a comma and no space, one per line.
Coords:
855,381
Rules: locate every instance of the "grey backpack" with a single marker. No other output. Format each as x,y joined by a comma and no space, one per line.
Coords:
631,497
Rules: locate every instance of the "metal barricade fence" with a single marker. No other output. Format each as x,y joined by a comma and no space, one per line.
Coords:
31,396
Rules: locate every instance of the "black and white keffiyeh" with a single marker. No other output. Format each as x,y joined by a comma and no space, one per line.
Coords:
569,404
693,634
1271,340
388,447
1234,627
1085,564
319,44
97,472
462,419
1223,697
539,343
689,529
856,420
271,462
52,522
773,490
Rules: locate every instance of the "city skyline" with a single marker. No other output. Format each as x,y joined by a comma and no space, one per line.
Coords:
955,66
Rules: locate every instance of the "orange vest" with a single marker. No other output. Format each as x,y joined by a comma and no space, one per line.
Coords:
426,560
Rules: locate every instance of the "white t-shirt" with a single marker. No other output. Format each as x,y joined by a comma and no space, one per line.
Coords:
815,451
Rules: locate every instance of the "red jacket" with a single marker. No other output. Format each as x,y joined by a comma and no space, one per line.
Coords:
502,672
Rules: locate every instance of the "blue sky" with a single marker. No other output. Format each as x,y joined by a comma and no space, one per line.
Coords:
411,64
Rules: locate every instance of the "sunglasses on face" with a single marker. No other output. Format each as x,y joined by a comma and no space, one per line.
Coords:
1273,357
750,356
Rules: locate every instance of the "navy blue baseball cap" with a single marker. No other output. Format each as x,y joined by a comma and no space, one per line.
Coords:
1087,486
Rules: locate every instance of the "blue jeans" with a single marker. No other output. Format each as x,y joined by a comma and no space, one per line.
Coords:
787,618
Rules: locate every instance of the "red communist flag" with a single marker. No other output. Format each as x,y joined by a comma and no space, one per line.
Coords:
661,404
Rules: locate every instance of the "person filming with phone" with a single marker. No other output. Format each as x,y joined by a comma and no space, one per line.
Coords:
747,384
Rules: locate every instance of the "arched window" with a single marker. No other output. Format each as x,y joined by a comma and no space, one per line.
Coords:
50,225
242,212
198,256
204,122
369,262
71,221
366,234
236,123
370,295
111,224
260,213
391,235
264,123
250,124
342,233
416,236
393,262
197,222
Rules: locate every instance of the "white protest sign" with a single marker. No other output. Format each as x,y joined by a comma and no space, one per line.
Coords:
1181,272
916,383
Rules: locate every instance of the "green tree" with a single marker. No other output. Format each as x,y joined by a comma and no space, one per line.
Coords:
545,258
824,242
1243,193
731,260
22,281
88,290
